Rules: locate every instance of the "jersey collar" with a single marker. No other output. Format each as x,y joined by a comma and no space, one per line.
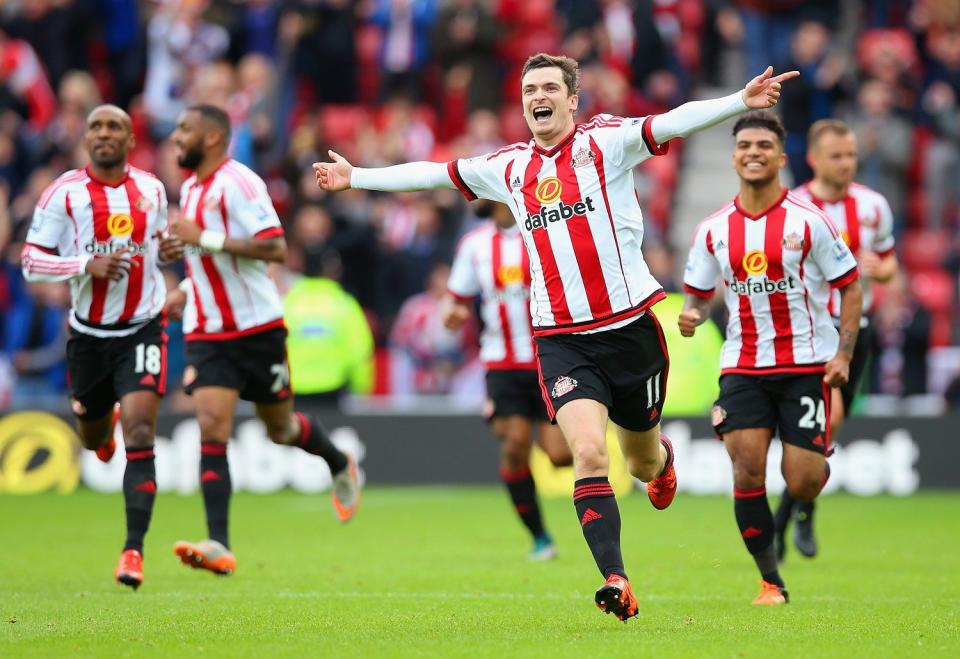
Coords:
554,150
757,216
116,184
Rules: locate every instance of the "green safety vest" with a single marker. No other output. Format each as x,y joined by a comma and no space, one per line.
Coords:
692,384
330,345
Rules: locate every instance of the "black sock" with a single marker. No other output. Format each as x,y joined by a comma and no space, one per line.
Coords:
804,510
756,528
523,493
600,519
139,492
314,440
216,487
781,519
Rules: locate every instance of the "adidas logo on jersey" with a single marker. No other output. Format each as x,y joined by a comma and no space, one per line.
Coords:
561,212
516,184
762,286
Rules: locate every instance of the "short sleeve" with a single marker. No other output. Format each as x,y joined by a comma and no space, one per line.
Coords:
702,270
51,220
483,177
626,142
830,252
883,241
464,282
250,206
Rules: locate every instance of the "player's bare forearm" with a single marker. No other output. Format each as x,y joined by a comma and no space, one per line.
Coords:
886,268
265,249
851,308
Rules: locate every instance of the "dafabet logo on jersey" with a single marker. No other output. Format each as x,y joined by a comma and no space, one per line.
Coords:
120,225
755,262
549,190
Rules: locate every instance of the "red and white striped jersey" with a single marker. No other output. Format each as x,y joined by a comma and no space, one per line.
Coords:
231,295
79,217
580,218
493,263
865,221
778,268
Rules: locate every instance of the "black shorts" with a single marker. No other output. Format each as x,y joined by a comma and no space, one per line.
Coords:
858,363
103,370
254,365
515,393
796,406
624,369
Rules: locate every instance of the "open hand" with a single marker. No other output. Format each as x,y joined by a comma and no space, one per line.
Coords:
114,266
763,92
186,231
174,304
333,176
171,247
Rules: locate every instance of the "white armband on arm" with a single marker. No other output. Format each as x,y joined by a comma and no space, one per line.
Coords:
402,178
186,286
694,116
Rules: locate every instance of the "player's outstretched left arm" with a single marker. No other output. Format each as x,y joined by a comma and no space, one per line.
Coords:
837,370
763,92
265,249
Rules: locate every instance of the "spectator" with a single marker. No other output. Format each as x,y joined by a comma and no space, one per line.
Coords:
940,106
901,341
884,141
330,345
405,28
464,43
426,355
25,84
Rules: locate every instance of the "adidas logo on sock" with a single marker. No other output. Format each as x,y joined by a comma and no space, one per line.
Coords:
751,532
209,475
590,515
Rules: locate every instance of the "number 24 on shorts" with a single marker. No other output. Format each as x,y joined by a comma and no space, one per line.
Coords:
815,415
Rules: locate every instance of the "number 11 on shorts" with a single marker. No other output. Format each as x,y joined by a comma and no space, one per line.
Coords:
653,390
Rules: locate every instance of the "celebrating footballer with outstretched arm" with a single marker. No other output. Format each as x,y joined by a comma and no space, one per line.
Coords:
779,258
601,351
102,229
233,321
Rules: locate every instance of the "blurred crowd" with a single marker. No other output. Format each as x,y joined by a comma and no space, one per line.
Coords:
387,81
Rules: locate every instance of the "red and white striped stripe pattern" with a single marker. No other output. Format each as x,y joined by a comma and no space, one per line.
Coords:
79,217
864,218
493,263
587,269
231,295
778,267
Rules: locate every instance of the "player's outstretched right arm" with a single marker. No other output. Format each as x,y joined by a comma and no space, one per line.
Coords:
409,177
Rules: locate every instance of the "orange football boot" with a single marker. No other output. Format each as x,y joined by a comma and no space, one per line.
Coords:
616,597
129,570
771,595
663,488
346,491
105,452
206,555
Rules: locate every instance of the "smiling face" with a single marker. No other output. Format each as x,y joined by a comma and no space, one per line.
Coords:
834,158
548,105
109,136
758,156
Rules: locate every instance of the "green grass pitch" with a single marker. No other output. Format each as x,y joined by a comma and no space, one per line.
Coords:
442,572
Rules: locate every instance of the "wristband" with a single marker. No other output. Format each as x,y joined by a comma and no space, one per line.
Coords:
185,286
212,240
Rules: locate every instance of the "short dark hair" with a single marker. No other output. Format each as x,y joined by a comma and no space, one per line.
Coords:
762,119
824,126
217,116
567,65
